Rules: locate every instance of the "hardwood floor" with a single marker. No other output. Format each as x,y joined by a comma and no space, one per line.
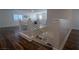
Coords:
10,40
73,41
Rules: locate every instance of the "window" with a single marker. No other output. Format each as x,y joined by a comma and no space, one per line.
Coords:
17,17
40,16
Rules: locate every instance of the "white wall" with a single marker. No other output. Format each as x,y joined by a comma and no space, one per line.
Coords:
59,21
75,17
6,16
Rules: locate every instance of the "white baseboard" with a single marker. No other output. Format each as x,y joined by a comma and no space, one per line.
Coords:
8,26
63,43
25,36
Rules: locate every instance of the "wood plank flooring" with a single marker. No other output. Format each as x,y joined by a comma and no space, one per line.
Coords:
10,40
73,41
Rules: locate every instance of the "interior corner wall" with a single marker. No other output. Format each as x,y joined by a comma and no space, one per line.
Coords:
52,15
6,17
